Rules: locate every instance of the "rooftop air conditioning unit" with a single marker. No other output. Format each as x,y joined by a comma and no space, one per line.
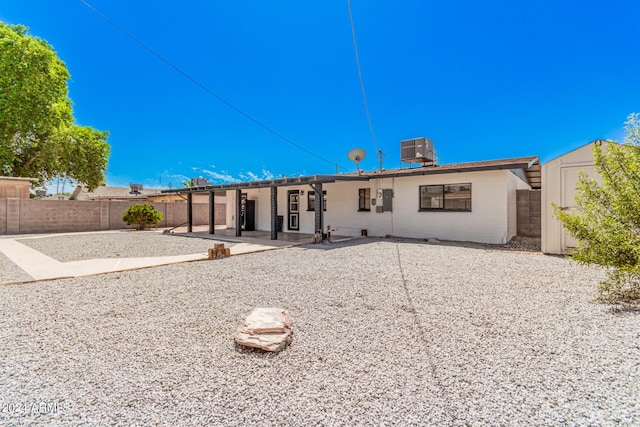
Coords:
135,189
417,150
199,182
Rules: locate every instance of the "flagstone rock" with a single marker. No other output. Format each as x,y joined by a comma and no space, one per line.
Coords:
269,329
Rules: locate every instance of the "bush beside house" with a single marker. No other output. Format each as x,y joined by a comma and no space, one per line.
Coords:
142,216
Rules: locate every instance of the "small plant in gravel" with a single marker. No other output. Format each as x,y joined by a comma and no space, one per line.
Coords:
142,216
607,222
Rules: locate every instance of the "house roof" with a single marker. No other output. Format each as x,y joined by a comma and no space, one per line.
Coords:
514,163
529,165
520,163
107,193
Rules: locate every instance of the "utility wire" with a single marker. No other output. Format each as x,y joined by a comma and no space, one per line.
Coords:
202,86
364,95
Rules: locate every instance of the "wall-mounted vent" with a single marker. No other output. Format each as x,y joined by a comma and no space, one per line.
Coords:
417,150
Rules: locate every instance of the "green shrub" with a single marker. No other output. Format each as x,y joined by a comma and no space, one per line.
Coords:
607,223
142,216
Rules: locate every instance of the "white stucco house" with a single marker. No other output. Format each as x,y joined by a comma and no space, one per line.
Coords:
473,201
465,202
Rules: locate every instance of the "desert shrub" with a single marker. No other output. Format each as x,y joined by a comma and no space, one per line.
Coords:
607,223
142,216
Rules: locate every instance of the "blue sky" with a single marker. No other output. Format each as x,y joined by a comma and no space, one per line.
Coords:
483,80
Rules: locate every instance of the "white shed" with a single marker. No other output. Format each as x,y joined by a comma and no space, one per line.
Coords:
559,180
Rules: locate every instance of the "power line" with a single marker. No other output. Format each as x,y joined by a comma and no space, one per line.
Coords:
364,95
202,86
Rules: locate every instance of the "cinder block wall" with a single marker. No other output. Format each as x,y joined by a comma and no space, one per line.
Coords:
529,213
13,216
52,216
20,216
3,216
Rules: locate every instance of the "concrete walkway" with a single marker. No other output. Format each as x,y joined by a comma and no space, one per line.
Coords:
42,267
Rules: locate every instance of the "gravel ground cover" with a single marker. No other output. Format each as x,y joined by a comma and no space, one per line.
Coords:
517,243
9,272
386,332
125,244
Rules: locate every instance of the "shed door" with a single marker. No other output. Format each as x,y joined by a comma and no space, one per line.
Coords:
569,178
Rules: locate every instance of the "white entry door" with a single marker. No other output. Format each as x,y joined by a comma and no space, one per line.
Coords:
294,210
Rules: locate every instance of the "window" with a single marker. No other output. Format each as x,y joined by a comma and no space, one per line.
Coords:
431,196
364,199
457,197
451,197
311,201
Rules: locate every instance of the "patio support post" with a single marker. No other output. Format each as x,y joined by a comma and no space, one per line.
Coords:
274,213
189,212
319,209
212,212
238,213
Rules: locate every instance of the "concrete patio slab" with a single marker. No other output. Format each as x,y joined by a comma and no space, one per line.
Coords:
257,237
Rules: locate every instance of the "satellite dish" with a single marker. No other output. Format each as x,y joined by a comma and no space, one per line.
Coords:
356,155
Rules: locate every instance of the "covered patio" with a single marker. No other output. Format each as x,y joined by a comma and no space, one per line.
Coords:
315,182
256,237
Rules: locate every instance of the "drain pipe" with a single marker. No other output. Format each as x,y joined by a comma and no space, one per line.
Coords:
171,229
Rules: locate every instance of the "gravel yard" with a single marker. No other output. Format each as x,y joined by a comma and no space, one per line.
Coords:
385,332
9,272
123,244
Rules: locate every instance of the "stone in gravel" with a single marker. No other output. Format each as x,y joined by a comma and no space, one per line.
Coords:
269,329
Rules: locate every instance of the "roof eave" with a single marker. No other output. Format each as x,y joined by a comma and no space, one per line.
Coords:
521,163
280,182
524,164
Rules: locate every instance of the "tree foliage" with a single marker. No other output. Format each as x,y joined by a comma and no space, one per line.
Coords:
38,137
607,222
142,216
